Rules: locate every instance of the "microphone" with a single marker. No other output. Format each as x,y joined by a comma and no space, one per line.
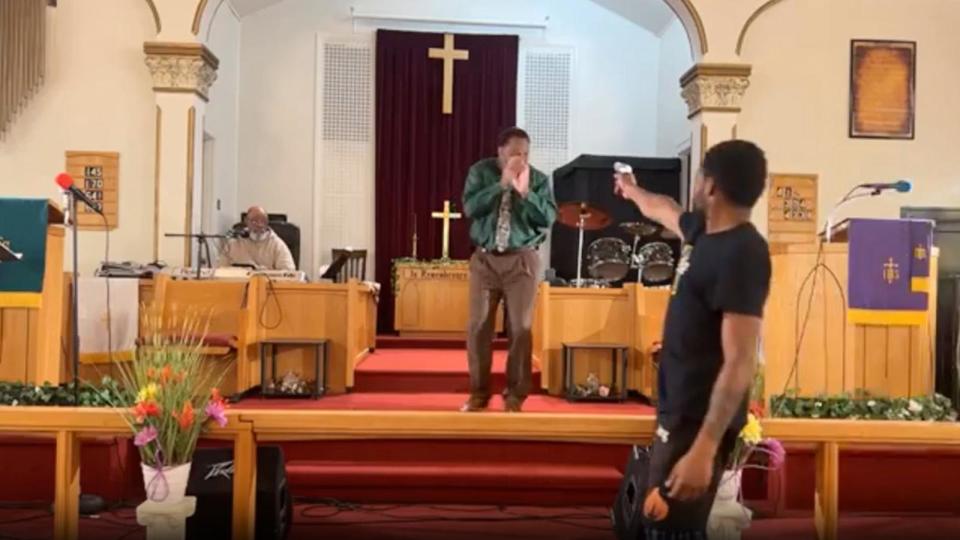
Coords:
65,181
238,233
900,186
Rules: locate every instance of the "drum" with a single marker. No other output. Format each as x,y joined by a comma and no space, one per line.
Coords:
608,259
656,262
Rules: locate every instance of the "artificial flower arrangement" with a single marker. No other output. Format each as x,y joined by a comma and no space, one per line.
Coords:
176,398
752,450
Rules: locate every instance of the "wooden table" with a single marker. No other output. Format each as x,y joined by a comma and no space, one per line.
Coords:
257,309
632,315
433,299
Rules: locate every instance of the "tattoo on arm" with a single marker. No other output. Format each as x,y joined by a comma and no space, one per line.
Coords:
740,335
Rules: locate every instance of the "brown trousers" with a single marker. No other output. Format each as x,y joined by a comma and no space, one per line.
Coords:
513,278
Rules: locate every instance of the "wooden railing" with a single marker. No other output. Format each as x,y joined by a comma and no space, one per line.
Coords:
246,427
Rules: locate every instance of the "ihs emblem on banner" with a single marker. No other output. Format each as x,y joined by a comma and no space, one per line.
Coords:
920,252
891,271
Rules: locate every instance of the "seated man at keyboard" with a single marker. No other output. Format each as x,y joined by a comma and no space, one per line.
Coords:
263,249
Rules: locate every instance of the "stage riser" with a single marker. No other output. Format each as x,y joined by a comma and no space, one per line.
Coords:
922,480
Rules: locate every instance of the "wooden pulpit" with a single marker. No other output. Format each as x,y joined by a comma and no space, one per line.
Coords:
810,348
32,292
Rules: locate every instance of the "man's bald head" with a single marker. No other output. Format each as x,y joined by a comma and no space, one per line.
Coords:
256,219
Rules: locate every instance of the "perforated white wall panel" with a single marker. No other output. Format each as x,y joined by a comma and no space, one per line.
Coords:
344,204
545,110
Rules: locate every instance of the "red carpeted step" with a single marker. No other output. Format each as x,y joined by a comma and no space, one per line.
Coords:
425,371
438,482
406,342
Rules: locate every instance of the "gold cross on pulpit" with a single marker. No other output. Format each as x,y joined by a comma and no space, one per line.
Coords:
448,54
446,216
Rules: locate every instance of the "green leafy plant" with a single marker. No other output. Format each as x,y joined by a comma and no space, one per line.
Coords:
107,393
863,406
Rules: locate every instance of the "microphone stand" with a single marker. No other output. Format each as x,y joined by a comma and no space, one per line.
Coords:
75,305
850,196
202,246
88,504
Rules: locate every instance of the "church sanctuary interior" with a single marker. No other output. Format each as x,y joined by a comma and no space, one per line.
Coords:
238,243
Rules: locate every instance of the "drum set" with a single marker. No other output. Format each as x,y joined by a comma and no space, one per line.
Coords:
609,259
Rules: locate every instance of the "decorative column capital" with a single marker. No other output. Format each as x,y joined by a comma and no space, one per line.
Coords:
715,87
181,67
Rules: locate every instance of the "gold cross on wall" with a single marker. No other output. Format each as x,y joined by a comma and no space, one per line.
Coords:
448,54
446,216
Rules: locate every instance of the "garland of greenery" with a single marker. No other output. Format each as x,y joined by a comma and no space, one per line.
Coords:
107,394
417,263
863,406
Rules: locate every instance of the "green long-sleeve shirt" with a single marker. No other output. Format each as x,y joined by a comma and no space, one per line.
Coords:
530,217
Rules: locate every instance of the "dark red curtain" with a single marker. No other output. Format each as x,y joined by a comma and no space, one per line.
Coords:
422,154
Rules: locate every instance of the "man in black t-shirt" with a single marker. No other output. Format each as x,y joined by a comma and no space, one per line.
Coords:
711,334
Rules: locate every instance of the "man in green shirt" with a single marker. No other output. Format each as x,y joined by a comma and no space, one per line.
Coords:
512,208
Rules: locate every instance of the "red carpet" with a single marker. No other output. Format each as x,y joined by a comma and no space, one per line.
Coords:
425,371
401,342
442,402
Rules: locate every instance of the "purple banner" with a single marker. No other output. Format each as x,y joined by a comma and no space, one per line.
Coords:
889,264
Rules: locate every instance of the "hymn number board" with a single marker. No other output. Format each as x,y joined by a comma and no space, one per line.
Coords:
792,210
97,174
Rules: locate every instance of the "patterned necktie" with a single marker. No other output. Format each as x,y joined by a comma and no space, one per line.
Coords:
503,222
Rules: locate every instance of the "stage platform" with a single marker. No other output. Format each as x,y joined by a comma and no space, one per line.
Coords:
398,438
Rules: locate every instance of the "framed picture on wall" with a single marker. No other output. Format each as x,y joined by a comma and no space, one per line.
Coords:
882,89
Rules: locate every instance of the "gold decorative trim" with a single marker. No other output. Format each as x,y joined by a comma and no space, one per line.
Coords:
181,67
703,142
715,87
189,50
746,26
156,189
715,70
198,16
697,23
188,221
156,14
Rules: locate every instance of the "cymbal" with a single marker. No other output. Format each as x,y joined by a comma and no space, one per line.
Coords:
637,228
667,234
593,218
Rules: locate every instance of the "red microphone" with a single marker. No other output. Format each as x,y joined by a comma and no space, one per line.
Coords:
65,181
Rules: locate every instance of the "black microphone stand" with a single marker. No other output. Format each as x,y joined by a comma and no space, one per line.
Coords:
74,300
202,246
89,504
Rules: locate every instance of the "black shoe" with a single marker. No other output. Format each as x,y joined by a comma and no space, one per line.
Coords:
475,404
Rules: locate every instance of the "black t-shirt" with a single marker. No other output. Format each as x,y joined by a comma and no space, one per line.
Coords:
724,272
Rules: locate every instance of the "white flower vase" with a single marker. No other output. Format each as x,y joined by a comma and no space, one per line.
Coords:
168,486
728,517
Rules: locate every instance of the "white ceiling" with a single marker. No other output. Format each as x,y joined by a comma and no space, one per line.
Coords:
653,15
246,7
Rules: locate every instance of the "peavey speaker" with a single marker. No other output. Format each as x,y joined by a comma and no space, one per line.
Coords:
627,512
211,482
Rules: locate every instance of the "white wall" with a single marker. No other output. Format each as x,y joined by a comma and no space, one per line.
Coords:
615,94
221,114
797,105
673,128
97,96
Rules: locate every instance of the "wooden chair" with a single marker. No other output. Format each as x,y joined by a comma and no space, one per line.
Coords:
355,266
